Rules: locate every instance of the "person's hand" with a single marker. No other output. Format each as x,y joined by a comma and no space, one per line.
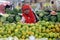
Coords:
23,20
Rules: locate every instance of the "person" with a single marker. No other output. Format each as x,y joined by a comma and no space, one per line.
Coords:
54,14
7,6
39,6
27,14
2,9
53,7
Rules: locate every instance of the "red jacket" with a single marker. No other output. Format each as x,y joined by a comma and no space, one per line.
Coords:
2,9
30,17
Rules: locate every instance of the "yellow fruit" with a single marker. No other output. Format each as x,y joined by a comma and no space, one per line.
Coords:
9,32
0,36
12,34
57,29
29,32
1,24
51,34
58,36
4,36
23,37
32,33
55,36
16,30
43,30
18,26
27,39
36,35
49,39
56,26
53,30
59,25
52,26
1,31
20,38
24,33
49,27
40,36
47,30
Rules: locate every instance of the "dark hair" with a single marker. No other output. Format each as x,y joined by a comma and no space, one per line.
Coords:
52,2
7,6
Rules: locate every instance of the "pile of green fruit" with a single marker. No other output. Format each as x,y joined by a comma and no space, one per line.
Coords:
14,16
10,18
41,29
47,17
11,15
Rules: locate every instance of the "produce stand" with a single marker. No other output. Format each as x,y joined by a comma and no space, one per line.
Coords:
47,28
40,30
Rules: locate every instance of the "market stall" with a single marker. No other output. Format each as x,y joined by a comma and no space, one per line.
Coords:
47,28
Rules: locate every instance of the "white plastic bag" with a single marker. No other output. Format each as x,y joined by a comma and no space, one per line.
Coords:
31,38
10,38
15,38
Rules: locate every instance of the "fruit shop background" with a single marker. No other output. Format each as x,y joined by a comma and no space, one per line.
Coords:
33,2
14,15
10,25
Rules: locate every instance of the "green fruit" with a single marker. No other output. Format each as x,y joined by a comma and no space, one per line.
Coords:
1,24
49,27
47,30
41,14
46,18
47,35
10,19
13,24
51,35
54,38
0,36
50,39
47,23
3,19
17,18
4,36
53,18
43,31
59,18
36,35
40,36
27,36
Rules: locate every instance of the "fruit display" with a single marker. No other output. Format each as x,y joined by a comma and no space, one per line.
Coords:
14,16
14,11
41,29
11,16
47,17
48,26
